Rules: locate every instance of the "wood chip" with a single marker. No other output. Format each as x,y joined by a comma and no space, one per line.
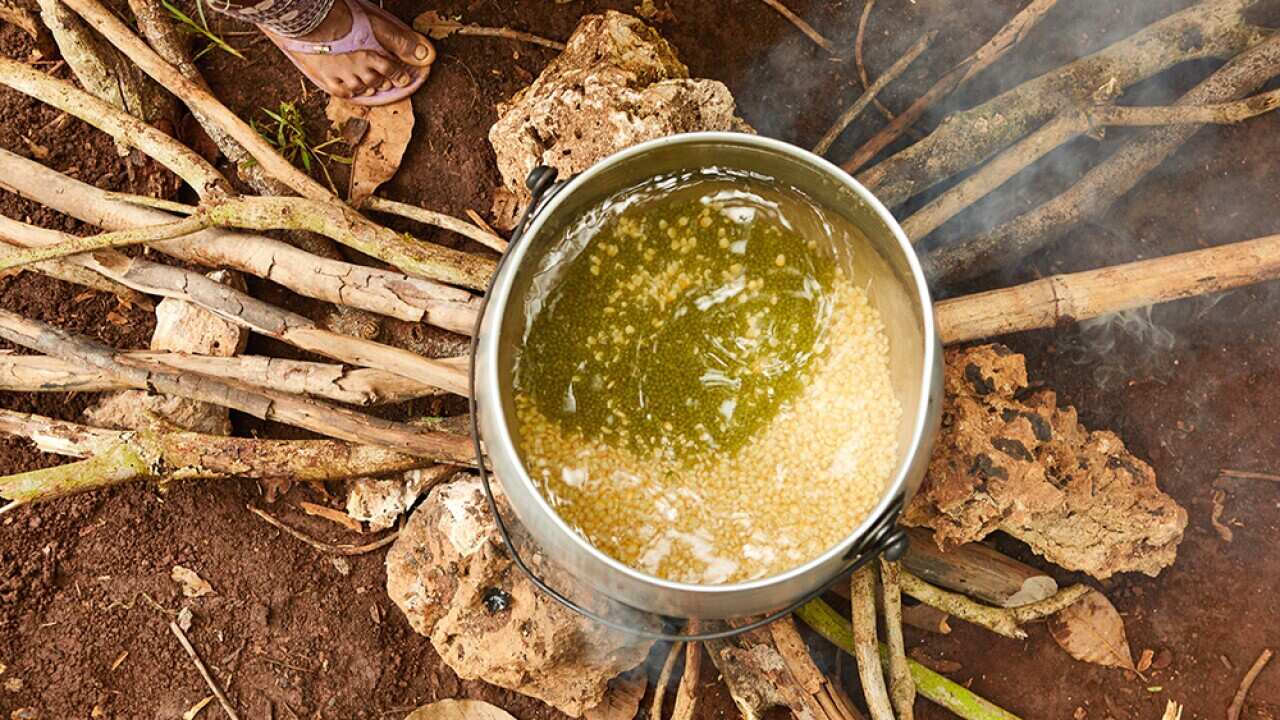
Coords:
194,710
332,515
119,661
193,586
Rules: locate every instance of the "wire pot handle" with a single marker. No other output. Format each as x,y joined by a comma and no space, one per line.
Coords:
891,541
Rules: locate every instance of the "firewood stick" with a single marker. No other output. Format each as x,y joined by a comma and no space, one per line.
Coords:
902,689
123,456
664,679
803,26
1105,183
437,219
1062,129
250,313
162,33
433,25
197,98
862,592
976,570
1002,42
125,128
1002,621
79,275
73,245
934,687
795,655
343,283
313,415
967,138
353,386
1083,295
687,693
854,110
858,42
322,213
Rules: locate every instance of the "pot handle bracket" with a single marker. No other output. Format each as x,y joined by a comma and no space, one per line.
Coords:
887,540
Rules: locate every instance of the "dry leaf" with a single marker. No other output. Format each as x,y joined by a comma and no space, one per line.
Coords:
195,709
459,710
435,25
621,701
193,586
1091,630
376,158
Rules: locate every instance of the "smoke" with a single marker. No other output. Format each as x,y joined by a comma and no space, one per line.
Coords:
1122,347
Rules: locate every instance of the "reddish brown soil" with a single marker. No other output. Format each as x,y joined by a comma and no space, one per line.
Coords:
85,595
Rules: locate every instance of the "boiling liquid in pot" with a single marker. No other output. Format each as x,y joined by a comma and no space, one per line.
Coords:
703,387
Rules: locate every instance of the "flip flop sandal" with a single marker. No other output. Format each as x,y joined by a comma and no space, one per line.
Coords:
359,37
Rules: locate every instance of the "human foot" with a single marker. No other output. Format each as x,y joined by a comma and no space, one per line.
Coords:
361,52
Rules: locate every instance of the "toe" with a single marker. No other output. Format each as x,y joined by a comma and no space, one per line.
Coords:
407,45
369,78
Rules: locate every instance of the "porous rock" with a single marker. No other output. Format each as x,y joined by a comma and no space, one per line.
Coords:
450,574
381,501
1015,461
617,83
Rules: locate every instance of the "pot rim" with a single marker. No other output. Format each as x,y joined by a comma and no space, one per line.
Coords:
496,307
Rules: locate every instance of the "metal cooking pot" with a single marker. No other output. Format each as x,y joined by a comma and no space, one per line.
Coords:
898,290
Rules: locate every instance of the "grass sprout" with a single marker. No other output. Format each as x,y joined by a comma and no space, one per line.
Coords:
199,26
287,133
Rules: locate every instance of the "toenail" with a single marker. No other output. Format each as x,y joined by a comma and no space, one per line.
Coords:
421,52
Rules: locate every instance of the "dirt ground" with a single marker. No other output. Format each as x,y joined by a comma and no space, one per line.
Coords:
85,594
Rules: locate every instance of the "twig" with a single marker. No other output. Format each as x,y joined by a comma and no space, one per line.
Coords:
934,687
1002,621
803,26
1062,129
977,571
1080,296
1003,41
664,679
854,110
70,271
169,206
1237,702
353,386
857,58
186,455
204,672
436,219
902,690
347,550
687,694
308,414
967,138
119,238
435,25
381,291
862,596
1247,475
